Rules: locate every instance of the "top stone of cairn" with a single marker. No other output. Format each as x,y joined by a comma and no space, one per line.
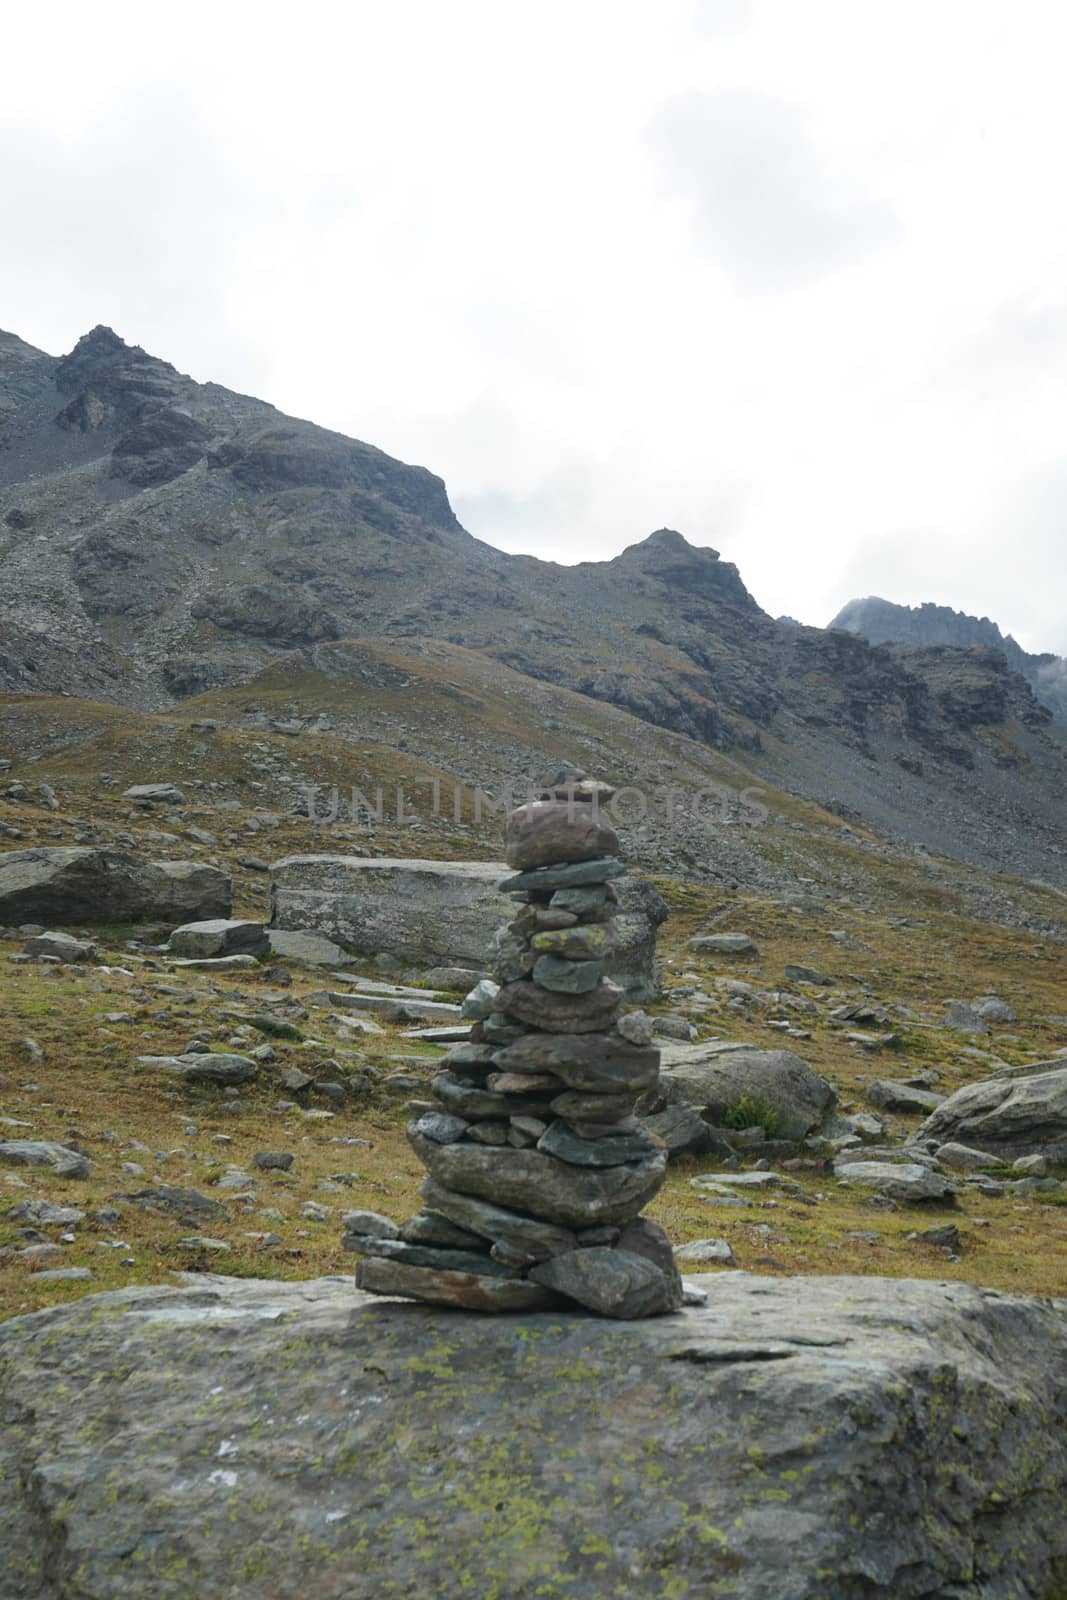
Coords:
553,832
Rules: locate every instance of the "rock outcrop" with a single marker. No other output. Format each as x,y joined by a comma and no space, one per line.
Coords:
440,912
80,884
851,1438
721,1077
1014,1114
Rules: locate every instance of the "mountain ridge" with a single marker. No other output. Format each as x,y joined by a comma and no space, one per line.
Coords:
161,539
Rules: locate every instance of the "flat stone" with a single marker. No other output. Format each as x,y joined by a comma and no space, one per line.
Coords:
61,947
466,1291
44,1153
612,1282
215,964
705,1252
43,1214
170,1200
437,1258
581,901
155,793
540,1185
481,1001
574,944
576,875
527,1235
611,1151
901,1097
904,1181
273,1160
591,1012
370,1223
567,977
523,1083
310,949
441,1127
724,944
429,1227
961,1158
463,1101
206,1067
682,1129
599,1064
60,1275
592,1108
219,936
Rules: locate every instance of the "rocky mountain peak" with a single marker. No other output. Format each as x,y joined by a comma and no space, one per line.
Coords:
668,558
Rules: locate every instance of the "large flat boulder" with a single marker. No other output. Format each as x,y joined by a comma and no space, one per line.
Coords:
440,913
1007,1116
720,1078
80,884
853,1438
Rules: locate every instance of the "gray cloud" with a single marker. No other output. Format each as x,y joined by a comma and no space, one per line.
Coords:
765,203
135,224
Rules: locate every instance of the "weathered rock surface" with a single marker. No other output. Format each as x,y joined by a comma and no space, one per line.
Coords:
551,832
219,936
440,912
60,947
1008,1116
898,1180
716,1076
57,1158
540,1185
858,1439
80,884
209,1067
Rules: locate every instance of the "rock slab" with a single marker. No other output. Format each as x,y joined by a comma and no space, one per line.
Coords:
847,1437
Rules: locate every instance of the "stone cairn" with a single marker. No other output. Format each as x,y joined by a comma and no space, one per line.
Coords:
537,1165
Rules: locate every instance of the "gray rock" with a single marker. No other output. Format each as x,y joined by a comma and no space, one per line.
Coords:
547,832
961,1158
458,980
210,1067
438,1258
593,1011
575,875
567,977
724,944
428,1227
311,949
215,964
370,1223
155,794
991,1008
61,1275
765,1363
169,1200
43,1214
612,1282
1035,1166
532,1238
466,1291
481,1001
590,1064
715,1077
811,975
705,1252
532,1182
219,937
441,912
44,1153
904,1181
61,946
1007,1116
963,1018
612,1150
441,1127
901,1097
83,885
273,1160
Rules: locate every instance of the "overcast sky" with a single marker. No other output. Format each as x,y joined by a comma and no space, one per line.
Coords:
789,277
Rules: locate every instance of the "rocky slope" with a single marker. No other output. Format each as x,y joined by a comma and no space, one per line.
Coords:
884,622
161,538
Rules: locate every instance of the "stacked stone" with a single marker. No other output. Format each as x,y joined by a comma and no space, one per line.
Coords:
538,1167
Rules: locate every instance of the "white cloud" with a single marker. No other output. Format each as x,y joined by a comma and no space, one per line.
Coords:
446,229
